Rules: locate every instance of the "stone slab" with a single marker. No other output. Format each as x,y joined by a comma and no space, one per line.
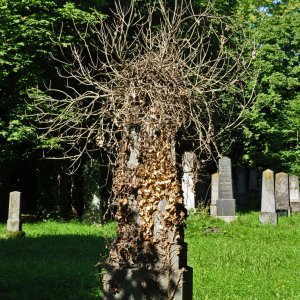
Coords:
225,179
213,210
294,189
227,219
282,198
188,179
214,194
268,192
268,218
14,212
226,207
283,212
295,207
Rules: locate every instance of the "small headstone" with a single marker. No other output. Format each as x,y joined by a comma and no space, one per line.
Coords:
214,194
14,212
241,185
268,213
282,198
226,202
294,193
188,179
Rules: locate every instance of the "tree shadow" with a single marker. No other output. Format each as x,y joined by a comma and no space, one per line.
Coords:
51,267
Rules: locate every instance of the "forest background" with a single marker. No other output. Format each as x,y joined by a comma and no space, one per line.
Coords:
31,31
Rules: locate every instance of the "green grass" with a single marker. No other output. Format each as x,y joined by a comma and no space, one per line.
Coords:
244,259
54,261
241,260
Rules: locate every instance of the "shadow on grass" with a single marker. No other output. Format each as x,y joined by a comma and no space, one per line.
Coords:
51,267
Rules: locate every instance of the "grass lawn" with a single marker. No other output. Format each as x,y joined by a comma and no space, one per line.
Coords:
241,260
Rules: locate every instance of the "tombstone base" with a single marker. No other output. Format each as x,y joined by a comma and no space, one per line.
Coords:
213,210
14,234
14,225
226,207
227,219
283,212
295,207
268,218
143,284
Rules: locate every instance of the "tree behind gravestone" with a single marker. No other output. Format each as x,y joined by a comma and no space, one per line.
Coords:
273,126
141,84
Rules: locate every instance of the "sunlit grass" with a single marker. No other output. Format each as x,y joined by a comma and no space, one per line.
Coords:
241,260
244,259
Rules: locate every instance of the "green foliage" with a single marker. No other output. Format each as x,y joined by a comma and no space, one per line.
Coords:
272,130
29,32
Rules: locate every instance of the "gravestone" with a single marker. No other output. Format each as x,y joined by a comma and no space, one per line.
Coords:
14,212
188,179
294,193
282,198
241,186
225,202
214,194
268,213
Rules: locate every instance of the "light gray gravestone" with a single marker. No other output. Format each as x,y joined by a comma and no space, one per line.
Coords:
241,185
14,212
188,179
268,213
282,198
294,193
214,194
225,202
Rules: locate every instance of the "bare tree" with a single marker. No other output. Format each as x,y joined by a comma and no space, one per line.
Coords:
144,81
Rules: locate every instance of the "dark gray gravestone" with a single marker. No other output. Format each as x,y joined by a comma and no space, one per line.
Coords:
294,193
214,194
226,202
282,198
14,212
268,213
241,185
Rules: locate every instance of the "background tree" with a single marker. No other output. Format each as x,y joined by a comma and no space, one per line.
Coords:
28,31
271,136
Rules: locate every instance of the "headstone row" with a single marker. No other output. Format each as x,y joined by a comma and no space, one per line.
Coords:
243,187
280,196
